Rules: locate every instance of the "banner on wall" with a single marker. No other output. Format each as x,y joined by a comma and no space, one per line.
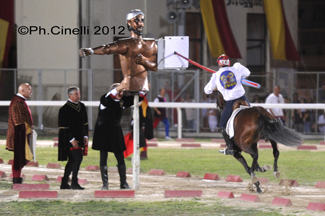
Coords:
220,37
282,44
6,25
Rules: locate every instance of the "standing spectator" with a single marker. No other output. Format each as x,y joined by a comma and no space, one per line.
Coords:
213,120
312,114
286,99
108,134
204,112
20,125
321,122
305,115
190,112
212,98
286,113
321,94
276,98
73,137
173,98
212,114
256,99
295,98
295,114
161,114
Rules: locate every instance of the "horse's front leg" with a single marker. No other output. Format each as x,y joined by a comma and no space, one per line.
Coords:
254,154
253,151
242,160
276,154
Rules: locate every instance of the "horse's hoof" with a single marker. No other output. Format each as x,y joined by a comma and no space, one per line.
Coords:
276,174
254,179
267,167
258,190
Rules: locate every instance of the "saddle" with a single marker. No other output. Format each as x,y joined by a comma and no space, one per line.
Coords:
239,103
238,106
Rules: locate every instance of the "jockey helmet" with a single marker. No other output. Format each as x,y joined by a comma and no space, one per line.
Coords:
223,60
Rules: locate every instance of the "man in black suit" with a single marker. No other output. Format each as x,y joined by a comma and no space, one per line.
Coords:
108,134
73,137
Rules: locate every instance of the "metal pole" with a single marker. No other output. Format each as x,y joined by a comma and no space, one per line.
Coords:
179,118
274,79
90,97
65,83
172,99
181,23
40,97
136,133
151,75
175,24
15,81
317,88
197,99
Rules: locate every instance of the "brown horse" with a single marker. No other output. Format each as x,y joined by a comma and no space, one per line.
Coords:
253,124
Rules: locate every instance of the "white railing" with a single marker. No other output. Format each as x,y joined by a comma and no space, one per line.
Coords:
178,106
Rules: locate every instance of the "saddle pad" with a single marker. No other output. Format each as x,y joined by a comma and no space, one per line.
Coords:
230,123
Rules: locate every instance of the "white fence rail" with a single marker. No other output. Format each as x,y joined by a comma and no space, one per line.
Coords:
178,106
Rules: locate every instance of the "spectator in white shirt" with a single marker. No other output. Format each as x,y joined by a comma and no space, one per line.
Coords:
321,122
276,98
190,112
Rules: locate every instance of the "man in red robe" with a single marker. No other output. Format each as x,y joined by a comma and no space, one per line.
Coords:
20,125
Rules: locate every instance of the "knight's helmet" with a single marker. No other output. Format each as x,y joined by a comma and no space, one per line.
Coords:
133,13
223,60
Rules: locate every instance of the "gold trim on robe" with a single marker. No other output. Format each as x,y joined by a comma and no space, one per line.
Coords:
28,152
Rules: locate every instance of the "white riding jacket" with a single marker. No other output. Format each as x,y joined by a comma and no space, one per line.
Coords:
228,81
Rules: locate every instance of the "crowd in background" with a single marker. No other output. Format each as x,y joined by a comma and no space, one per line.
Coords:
302,120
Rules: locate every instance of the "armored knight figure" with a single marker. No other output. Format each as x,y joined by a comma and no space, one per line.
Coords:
137,55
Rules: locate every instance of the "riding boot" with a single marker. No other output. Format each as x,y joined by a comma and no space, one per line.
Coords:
75,185
122,172
103,171
64,183
16,180
143,155
230,146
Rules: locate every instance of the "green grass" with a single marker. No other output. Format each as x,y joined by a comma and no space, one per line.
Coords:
304,166
193,207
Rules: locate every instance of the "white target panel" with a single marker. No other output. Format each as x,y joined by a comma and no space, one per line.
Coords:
166,49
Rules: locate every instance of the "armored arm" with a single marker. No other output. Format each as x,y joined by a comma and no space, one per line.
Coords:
105,49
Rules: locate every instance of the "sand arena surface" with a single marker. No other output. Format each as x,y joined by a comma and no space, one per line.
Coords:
152,188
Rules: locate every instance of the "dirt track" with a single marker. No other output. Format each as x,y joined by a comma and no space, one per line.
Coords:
152,188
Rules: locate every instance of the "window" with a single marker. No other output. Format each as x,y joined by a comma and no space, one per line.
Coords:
194,29
256,32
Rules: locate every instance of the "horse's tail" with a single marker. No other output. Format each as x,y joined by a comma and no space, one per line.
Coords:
274,129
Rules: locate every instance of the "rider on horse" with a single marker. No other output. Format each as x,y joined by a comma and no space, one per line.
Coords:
228,81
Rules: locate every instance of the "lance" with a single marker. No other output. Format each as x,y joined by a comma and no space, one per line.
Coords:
243,81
